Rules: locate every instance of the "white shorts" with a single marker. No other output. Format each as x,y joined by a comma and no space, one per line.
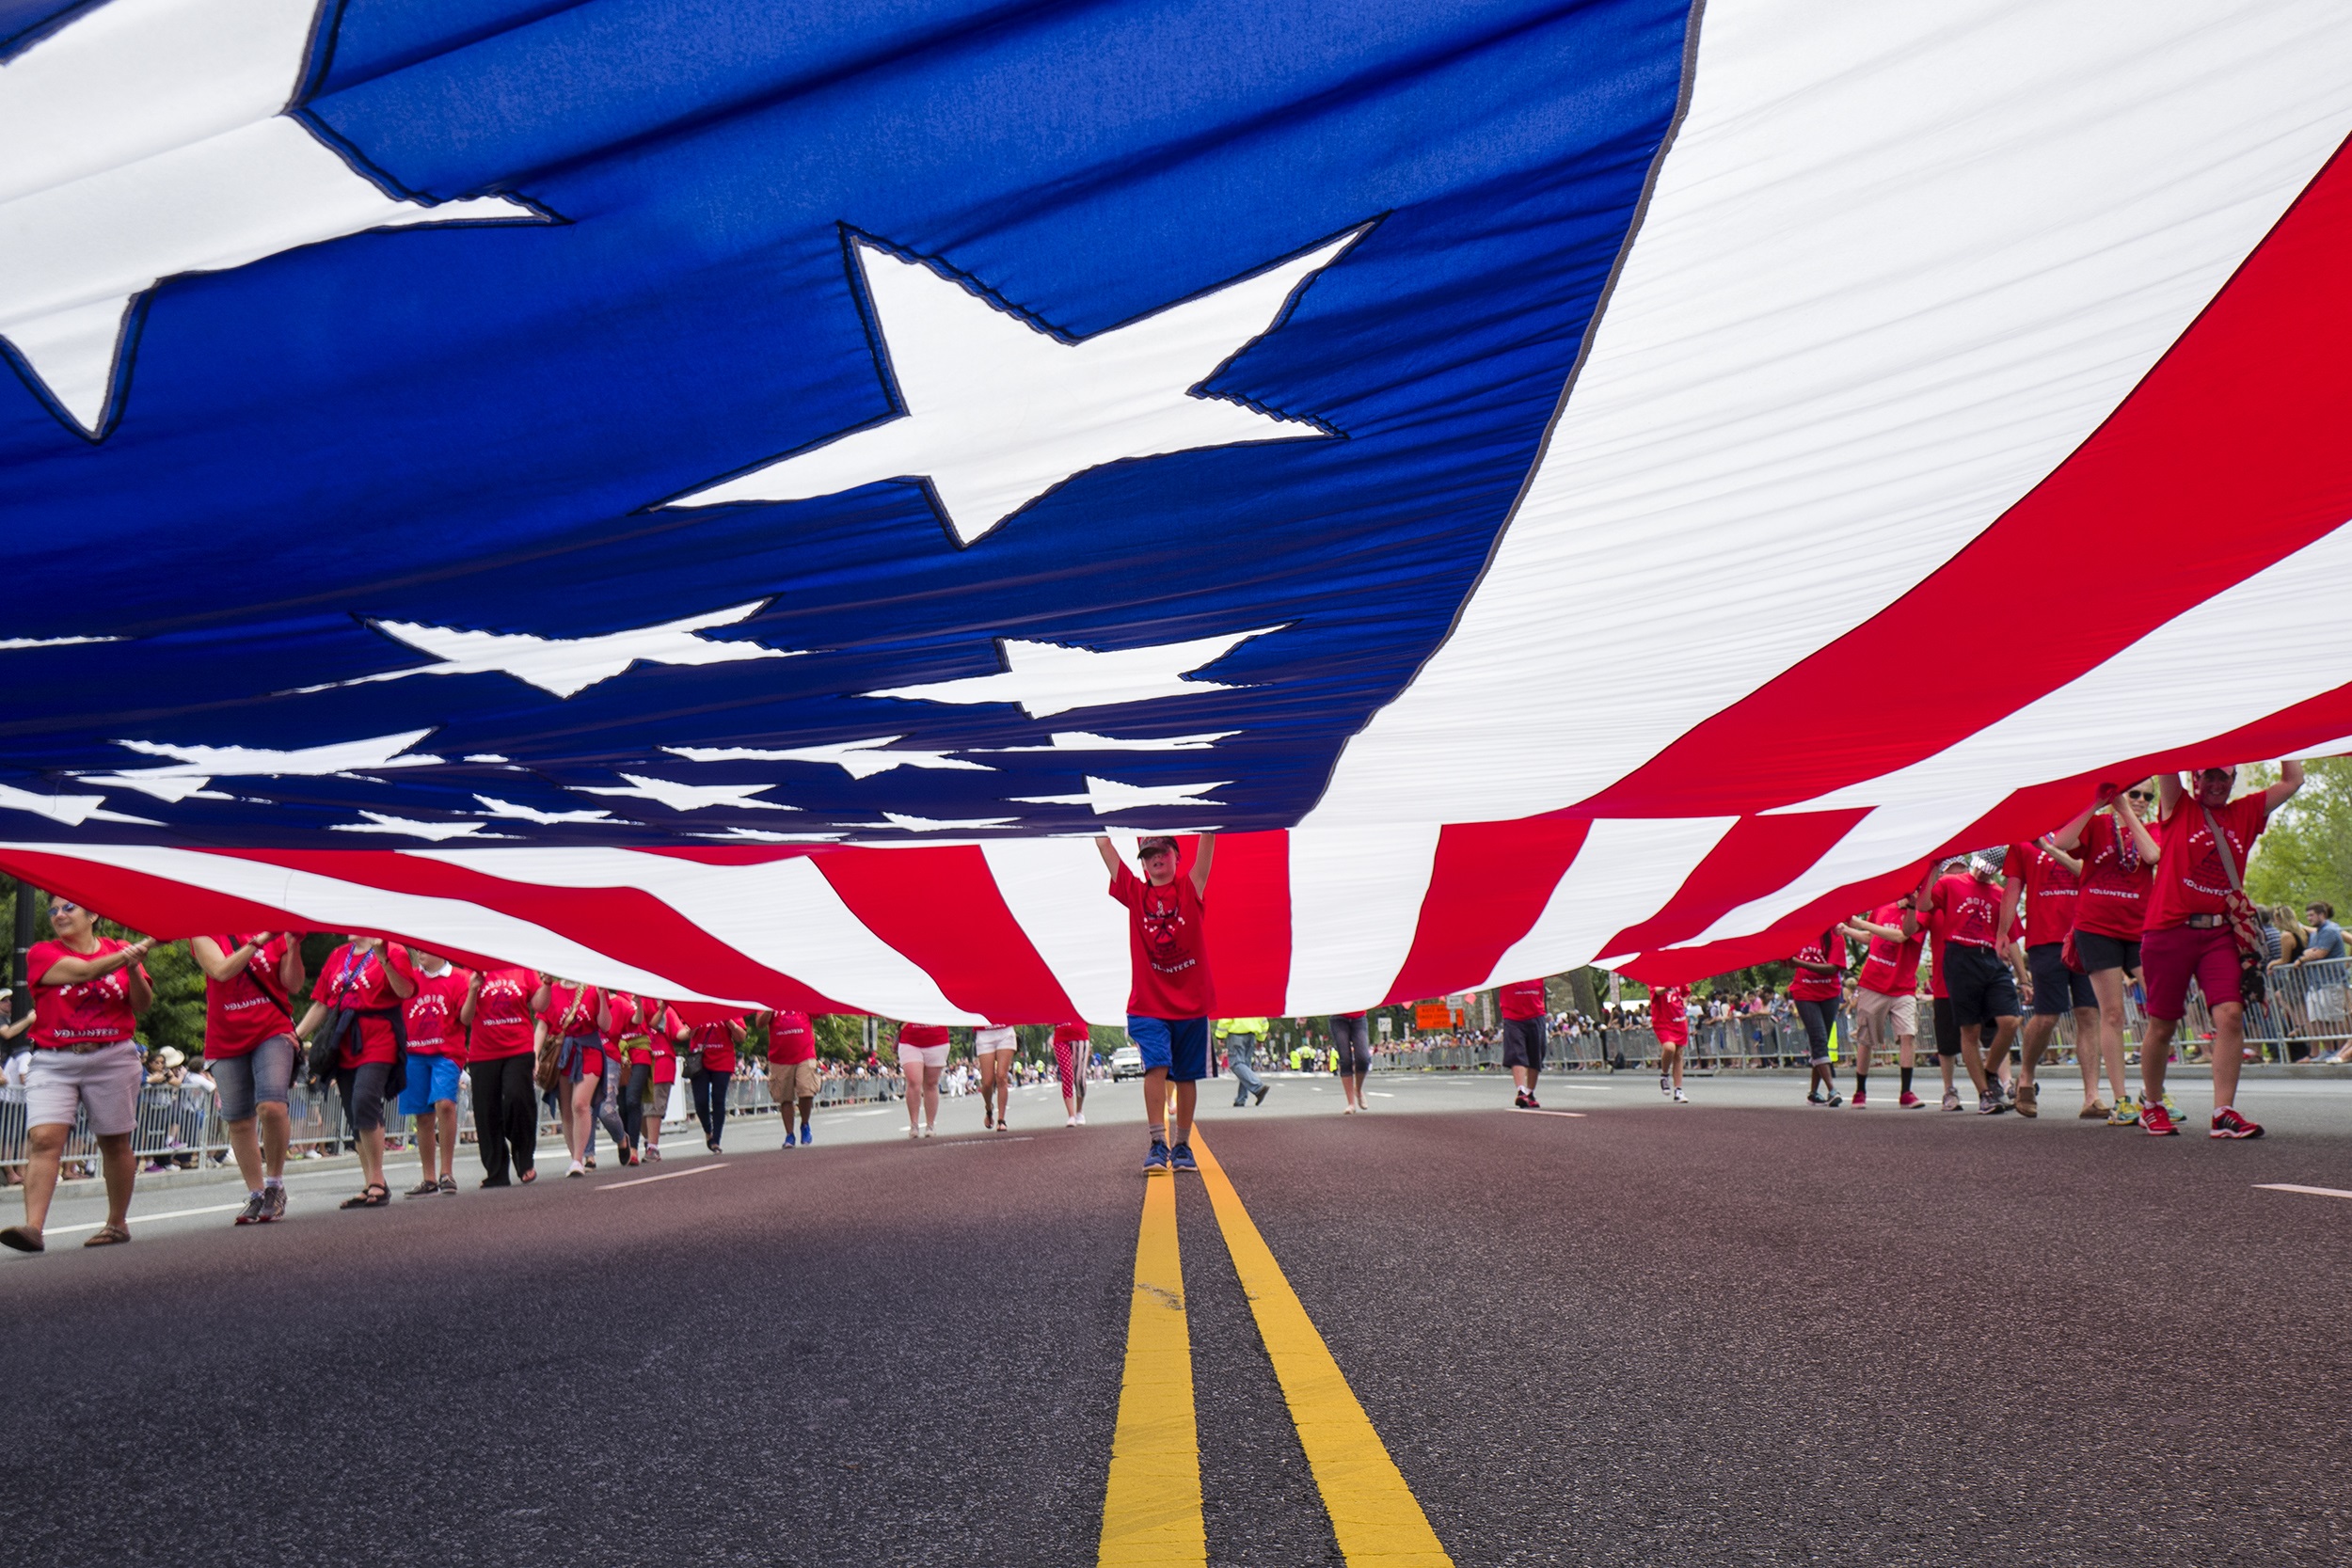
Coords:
985,1041
105,1083
922,1056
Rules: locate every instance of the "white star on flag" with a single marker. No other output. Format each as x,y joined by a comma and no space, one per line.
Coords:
566,665
195,767
1046,678
377,822
71,810
685,796
1080,740
151,137
860,759
495,807
932,824
1108,795
996,412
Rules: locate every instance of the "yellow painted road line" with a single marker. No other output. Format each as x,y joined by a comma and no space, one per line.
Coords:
1152,1508
1373,1513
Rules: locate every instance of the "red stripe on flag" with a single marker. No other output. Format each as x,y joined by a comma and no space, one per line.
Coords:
2227,457
1489,883
1758,854
939,905
1250,924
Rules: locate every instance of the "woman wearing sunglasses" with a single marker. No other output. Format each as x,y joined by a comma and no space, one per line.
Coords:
2119,857
87,993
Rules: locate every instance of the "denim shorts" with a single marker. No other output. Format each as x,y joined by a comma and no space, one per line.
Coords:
242,1084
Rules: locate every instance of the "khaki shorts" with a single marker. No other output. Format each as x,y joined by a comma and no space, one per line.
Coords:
1880,1019
792,1080
103,1082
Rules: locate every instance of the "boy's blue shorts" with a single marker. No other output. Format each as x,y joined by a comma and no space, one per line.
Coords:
1178,1045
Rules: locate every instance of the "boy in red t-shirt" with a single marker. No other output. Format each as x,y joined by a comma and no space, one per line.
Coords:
1171,995
2188,935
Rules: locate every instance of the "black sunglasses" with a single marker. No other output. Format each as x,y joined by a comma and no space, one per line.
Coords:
2139,795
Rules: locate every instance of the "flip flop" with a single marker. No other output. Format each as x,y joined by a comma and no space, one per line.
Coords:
108,1235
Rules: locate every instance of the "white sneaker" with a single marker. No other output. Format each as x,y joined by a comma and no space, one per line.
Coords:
1081,1118
1681,1099
914,1132
1070,1120
928,1130
578,1169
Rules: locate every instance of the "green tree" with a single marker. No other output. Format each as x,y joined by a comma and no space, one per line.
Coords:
2306,852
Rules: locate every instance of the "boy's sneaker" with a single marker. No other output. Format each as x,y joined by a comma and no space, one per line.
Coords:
1909,1102
2124,1115
2157,1123
2228,1124
1681,1099
1519,1100
1861,1098
808,1134
1156,1163
1181,1158
1835,1099
1951,1100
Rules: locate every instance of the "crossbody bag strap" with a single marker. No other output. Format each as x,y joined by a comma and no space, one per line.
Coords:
2222,843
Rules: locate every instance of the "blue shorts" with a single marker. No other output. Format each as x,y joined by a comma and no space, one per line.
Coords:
431,1079
1179,1046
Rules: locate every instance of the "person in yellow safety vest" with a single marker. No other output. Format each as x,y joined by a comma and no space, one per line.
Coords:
1240,1037
1299,1055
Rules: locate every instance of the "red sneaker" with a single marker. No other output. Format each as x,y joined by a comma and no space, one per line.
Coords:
2157,1122
2228,1124
1859,1100
1909,1102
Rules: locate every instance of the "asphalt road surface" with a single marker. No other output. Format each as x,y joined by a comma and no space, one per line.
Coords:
1742,1331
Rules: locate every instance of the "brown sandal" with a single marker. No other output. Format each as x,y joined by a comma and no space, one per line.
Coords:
373,1195
108,1235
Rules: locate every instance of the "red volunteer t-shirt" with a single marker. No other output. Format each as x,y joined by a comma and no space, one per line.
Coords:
1669,1014
1521,999
2114,900
432,1014
250,1005
625,1023
501,1014
358,979
1167,947
2191,878
1891,968
2052,892
717,1044
1961,908
790,1038
93,1010
1812,986
571,1011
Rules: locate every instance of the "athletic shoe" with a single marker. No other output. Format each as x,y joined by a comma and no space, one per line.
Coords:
808,1135
913,1132
1519,1102
1951,1100
2157,1122
1909,1102
2172,1110
2228,1124
1259,1091
251,1213
789,1139
1081,1118
1681,1099
1814,1098
1156,1163
578,1169
1181,1158
1835,1099
1861,1098
1665,1084
1989,1102
2124,1115
273,1203
1070,1120
1533,1103
449,1187
2027,1102
2095,1111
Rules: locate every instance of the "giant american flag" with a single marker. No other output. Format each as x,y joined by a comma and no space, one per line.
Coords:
726,499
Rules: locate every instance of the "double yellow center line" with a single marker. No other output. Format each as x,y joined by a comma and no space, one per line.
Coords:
1152,1507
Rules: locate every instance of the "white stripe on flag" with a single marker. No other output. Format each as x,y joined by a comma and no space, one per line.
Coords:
1056,889
1626,872
1356,899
